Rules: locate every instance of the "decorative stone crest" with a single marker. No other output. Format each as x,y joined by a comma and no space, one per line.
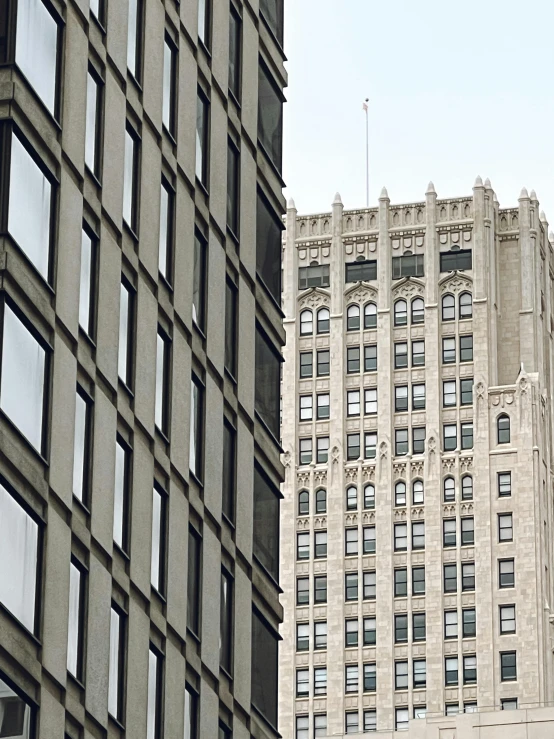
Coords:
432,446
360,294
369,474
320,477
480,391
408,288
314,299
448,464
455,284
303,479
466,464
287,459
383,450
335,454
399,469
351,474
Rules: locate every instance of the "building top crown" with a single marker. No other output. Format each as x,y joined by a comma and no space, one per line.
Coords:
384,194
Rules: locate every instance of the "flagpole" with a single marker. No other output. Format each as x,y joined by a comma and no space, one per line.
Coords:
366,152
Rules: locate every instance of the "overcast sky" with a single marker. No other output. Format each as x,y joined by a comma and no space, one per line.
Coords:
456,89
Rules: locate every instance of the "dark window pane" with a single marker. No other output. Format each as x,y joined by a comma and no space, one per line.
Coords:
15,714
191,714
268,247
264,669
270,117
196,435
231,327
87,283
317,275
194,581
226,622
126,326
169,86
163,348
272,11
130,179
81,448
410,265
37,49
93,123
229,471
233,187
358,271
235,52
452,260
202,138
165,252
268,378
266,523
199,281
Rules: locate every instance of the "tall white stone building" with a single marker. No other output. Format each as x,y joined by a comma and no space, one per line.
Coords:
417,519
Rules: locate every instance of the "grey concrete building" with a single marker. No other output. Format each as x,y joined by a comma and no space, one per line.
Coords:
141,332
417,519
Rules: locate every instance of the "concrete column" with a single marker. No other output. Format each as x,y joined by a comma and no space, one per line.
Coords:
527,289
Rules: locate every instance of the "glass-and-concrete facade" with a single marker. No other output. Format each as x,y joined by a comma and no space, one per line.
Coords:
417,520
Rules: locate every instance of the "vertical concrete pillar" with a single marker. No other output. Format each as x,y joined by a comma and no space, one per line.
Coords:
527,282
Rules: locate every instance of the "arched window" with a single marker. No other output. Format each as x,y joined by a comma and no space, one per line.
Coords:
449,490
303,503
400,493
351,498
400,313
466,305
503,429
323,321
353,318
467,487
306,323
369,497
370,315
448,308
321,501
418,310
417,492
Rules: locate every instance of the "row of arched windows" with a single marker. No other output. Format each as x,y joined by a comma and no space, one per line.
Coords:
417,312
465,306
307,322
449,488
304,502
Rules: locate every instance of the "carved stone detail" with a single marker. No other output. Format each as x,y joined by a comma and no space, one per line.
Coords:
314,299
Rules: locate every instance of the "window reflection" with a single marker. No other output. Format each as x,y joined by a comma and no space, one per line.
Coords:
270,117
37,49
15,714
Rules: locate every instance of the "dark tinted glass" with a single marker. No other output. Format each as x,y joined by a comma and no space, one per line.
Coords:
270,117
233,187
264,669
268,378
268,248
411,265
266,523
452,260
316,275
235,37
272,11
357,271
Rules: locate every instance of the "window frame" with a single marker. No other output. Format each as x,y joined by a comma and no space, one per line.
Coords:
203,139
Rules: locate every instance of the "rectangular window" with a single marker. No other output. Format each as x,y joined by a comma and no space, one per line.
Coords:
401,628
508,667
228,487
82,447
506,573
449,437
504,481
264,669
36,50
122,490
370,631
450,580
302,637
320,680
400,355
401,583
272,11
235,53
116,674
322,449
418,534
226,622
468,576
418,440
466,391
134,39
302,546
231,301
191,713
87,283
155,692
418,580
204,22
401,675
451,624
353,402
370,445
418,627
361,271
320,635
270,116
452,260
400,442
268,383
194,581
451,671
351,586
351,720
470,669
75,629
400,537
370,401
159,527
316,275
353,359
369,539
369,585
401,719
97,9
302,727
370,358
369,497
508,704
351,629
196,433
268,248
448,351
418,353
351,542
306,407
322,406
370,677
448,393
320,538
163,369
352,446
351,679
449,532
320,589
302,591
19,547
305,451
169,86
306,364
466,348
202,138
467,435
31,201
468,622
93,124
401,398
411,265
418,397
419,673
126,334
370,720
233,187
131,178
323,363
468,531
167,229
505,527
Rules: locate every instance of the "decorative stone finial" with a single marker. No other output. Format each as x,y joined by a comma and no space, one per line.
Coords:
488,183
524,195
431,189
291,205
337,200
478,181
542,216
533,195
384,194
551,236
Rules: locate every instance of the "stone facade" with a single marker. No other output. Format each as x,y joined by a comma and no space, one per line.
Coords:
120,441
438,318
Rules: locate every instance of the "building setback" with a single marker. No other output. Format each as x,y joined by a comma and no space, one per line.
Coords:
416,556
140,333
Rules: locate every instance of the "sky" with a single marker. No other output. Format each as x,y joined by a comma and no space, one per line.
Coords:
456,90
